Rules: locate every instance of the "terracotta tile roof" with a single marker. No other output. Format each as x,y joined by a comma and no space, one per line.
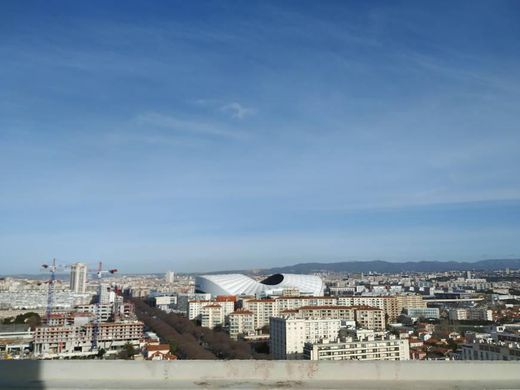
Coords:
226,298
159,347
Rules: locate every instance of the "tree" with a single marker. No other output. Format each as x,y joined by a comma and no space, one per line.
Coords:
101,353
128,352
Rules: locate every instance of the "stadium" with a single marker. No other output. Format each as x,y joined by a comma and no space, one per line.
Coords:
239,284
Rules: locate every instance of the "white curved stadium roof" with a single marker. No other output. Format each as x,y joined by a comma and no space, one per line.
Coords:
238,284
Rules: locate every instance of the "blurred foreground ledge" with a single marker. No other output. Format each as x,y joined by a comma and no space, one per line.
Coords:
250,374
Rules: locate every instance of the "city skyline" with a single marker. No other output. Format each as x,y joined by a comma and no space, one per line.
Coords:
225,135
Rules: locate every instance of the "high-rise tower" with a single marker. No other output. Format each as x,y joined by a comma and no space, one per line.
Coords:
169,277
78,278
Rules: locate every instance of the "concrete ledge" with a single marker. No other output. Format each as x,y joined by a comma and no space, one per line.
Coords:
246,374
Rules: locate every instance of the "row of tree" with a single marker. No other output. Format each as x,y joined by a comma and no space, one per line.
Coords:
188,340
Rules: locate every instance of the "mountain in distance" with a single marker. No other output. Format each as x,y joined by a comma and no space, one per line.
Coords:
380,266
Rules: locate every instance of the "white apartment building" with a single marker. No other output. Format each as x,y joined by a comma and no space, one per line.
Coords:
386,348
78,278
292,303
183,300
102,312
195,309
364,316
227,302
165,302
475,314
392,305
333,312
262,309
288,335
241,322
107,295
212,315
488,349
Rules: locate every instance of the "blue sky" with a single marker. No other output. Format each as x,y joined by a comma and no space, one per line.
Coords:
229,134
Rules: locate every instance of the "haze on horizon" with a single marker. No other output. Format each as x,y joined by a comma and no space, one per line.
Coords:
229,135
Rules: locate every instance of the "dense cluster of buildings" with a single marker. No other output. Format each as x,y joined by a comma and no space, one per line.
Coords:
363,317
328,316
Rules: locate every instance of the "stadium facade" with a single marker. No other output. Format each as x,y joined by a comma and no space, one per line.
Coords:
239,284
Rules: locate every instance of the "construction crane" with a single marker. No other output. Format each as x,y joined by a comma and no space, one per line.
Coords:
52,281
95,328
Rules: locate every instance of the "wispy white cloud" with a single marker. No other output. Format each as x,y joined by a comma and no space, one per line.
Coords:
237,110
234,109
192,127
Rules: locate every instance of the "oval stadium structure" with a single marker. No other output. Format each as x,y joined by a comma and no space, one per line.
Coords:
239,284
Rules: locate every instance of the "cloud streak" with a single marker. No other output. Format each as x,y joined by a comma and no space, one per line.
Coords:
186,127
237,110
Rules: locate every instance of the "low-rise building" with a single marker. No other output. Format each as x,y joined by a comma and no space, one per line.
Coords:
15,339
159,352
385,348
422,312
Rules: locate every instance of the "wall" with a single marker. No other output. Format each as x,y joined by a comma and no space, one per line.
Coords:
257,374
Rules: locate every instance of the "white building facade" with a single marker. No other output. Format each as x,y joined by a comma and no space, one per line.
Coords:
78,278
288,335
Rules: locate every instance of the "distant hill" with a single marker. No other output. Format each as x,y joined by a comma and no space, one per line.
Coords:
396,267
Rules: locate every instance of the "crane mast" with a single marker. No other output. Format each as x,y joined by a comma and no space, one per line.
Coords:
97,314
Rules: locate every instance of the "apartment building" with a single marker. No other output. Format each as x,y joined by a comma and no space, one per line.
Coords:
227,302
474,314
103,312
288,335
422,312
241,322
333,312
370,318
183,300
262,309
488,349
385,348
391,305
195,308
291,303
212,315
76,340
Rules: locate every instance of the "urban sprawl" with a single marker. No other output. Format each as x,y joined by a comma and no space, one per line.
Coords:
470,315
